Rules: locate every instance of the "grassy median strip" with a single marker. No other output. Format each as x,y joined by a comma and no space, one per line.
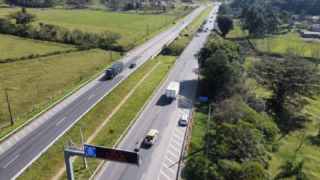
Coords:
53,159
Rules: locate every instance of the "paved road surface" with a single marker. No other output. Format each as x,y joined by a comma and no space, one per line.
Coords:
18,152
162,159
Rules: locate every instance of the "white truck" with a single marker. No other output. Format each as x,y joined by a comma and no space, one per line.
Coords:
172,91
151,137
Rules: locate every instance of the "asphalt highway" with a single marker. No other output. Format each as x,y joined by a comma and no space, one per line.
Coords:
26,150
161,161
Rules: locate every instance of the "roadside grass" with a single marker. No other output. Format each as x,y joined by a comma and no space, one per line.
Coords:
192,29
16,47
34,84
310,150
199,126
53,159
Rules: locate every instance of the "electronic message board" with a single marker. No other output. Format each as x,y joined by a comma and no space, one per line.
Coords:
112,154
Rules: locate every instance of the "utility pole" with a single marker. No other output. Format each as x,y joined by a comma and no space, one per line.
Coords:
208,123
84,158
12,122
110,56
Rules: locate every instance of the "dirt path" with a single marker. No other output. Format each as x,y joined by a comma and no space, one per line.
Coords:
62,170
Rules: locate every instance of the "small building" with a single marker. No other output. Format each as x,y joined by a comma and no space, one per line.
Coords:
313,19
309,34
315,27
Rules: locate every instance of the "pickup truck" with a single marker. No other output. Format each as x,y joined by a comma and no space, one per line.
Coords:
151,137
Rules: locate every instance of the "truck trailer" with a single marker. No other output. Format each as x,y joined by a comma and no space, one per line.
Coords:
114,70
172,91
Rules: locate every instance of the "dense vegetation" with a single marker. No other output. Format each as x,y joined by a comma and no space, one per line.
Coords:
244,126
306,7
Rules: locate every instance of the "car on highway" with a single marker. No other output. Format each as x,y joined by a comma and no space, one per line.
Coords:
197,35
132,65
151,137
183,121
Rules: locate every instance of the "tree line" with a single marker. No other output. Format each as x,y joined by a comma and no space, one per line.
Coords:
305,7
48,32
244,126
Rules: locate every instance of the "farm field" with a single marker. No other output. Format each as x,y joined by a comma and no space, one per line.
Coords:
16,47
33,83
132,27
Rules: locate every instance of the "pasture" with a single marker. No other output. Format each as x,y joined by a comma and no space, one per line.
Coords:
31,84
131,27
310,149
16,47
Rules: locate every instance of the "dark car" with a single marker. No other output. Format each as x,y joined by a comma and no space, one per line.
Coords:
132,65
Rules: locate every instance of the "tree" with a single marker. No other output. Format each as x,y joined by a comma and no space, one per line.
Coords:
292,168
253,20
219,70
225,24
287,79
223,9
284,16
22,17
240,142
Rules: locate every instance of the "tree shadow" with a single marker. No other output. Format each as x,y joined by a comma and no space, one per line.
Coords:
313,140
285,120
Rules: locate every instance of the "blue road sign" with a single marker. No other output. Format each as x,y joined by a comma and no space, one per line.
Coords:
201,98
90,151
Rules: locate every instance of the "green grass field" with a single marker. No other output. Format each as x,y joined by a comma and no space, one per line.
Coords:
278,43
310,150
290,40
52,160
132,27
16,47
31,84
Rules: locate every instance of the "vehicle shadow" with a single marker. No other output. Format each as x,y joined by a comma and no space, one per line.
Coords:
103,78
143,146
162,101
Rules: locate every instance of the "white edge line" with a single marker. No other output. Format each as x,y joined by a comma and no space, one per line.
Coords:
164,131
67,95
93,174
11,161
36,157
143,175
154,152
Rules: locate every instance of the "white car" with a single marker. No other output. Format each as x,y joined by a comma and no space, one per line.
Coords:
184,120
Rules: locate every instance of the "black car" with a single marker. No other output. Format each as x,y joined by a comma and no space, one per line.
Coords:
132,65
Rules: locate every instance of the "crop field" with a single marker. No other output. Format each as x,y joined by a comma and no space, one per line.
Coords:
31,84
16,47
132,27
